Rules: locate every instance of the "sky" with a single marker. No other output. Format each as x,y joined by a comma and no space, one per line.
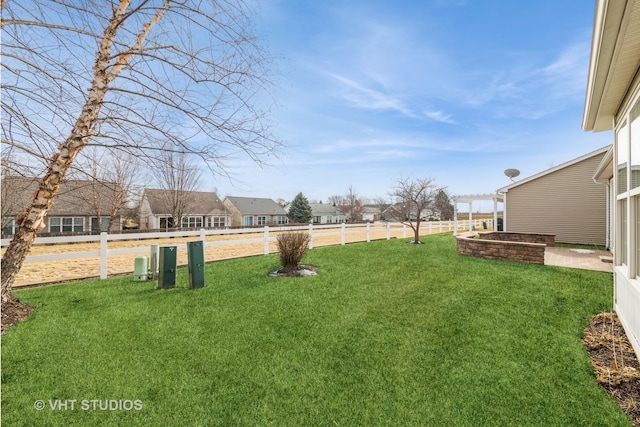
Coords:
370,91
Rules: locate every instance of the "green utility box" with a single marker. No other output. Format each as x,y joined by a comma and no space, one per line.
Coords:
168,261
140,269
195,254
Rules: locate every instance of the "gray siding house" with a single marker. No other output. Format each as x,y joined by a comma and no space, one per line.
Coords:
80,206
197,209
324,213
253,211
563,200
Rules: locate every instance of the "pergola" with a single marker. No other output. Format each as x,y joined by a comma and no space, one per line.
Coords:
470,199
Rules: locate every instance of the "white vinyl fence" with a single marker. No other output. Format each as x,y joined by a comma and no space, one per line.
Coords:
53,252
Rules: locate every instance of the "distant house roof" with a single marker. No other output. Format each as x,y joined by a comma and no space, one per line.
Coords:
74,198
324,209
198,202
555,168
256,206
372,210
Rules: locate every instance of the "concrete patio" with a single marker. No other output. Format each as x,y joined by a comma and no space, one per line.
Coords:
579,258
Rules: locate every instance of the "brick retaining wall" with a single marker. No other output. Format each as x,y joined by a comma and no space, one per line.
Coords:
546,239
520,247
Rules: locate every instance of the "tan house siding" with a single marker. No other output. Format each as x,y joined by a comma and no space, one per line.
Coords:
565,202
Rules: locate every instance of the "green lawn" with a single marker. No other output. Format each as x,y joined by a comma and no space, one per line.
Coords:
387,334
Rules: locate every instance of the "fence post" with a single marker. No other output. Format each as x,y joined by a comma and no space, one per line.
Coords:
103,255
404,230
430,227
266,240
388,230
440,224
310,236
344,234
202,236
368,232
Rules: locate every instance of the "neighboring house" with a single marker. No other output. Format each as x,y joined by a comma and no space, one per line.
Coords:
252,211
563,200
371,213
396,212
200,209
324,213
613,104
79,206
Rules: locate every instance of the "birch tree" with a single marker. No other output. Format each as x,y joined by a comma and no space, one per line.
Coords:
141,76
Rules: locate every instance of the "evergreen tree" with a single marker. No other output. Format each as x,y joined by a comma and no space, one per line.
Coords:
443,205
300,210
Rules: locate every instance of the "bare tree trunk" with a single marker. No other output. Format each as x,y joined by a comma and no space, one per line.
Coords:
32,221
208,101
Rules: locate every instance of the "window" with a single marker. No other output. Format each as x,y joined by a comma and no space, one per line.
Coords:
329,219
104,224
634,139
282,219
622,157
262,220
217,221
192,221
166,222
624,236
57,225
9,226
317,219
247,221
636,241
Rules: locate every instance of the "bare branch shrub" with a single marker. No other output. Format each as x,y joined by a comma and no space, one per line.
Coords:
292,246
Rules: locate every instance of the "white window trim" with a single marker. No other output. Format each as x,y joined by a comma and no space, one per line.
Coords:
73,224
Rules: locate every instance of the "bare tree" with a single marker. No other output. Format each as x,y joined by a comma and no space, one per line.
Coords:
110,177
336,200
381,203
414,198
187,73
10,198
353,205
177,177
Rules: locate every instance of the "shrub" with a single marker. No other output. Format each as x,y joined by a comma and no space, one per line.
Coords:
292,246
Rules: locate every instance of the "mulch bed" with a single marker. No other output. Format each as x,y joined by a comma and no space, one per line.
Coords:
616,365
14,311
298,271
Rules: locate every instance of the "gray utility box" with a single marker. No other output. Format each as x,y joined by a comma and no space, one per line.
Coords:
140,269
168,267
195,254
153,262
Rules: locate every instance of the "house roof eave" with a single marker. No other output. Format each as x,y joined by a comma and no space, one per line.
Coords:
554,169
615,50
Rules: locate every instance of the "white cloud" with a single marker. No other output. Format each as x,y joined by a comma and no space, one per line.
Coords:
439,116
363,97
